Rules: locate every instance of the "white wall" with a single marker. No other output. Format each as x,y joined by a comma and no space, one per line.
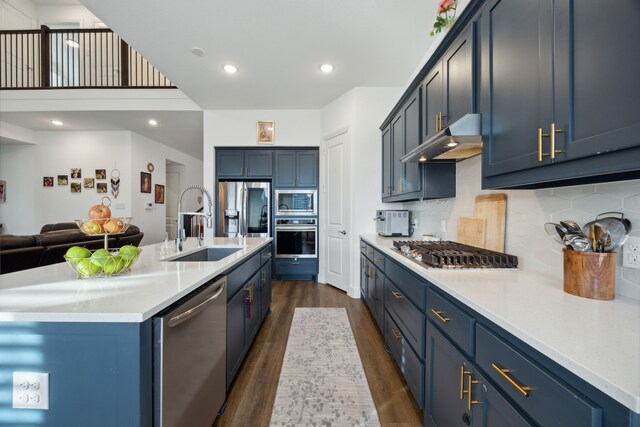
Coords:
30,205
528,210
361,111
144,151
237,128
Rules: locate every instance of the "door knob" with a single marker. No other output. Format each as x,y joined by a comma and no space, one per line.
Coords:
343,232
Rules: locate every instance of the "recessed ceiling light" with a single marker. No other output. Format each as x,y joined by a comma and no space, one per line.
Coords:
153,122
326,68
231,69
197,51
452,144
422,159
56,122
74,44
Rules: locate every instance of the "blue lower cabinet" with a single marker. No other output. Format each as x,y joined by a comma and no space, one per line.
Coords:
265,289
491,408
408,361
296,268
543,397
235,333
407,314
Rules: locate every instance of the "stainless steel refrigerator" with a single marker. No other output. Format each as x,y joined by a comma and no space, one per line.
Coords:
244,209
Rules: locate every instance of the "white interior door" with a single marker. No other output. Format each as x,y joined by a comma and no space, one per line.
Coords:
171,200
337,248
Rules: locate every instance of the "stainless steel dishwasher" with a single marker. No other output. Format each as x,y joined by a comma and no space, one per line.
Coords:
190,358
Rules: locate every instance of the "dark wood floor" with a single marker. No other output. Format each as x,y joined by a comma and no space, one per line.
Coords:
250,400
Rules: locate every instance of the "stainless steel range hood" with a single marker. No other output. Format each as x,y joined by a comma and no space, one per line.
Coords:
457,141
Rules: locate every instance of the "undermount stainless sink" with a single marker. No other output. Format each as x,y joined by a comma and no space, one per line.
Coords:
207,254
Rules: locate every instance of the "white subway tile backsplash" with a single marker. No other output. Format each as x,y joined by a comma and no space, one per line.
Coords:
528,210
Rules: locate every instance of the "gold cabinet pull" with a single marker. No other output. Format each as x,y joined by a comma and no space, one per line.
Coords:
396,334
439,315
437,122
470,383
441,117
376,259
503,372
462,374
398,295
295,263
540,136
552,139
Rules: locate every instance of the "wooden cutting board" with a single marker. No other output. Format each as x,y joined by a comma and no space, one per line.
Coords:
471,231
493,209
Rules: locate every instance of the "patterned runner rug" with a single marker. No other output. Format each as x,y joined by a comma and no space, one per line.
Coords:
322,382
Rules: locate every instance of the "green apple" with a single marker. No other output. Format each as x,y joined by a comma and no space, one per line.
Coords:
76,253
86,268
114,265
100,257
128,252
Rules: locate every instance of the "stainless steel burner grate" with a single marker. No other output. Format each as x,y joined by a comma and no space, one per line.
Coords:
447,254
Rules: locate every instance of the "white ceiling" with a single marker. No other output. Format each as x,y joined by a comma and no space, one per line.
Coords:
181,130
277,45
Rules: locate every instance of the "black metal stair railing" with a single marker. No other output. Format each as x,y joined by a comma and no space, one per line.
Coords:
91,58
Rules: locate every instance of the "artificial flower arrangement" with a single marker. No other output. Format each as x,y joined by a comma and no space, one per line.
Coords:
445,17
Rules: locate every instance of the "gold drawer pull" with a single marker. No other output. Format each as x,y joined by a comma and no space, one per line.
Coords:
439,315
470,383
295,263
462,374
502,371
377,260
396,334
398,295
540,136
552,138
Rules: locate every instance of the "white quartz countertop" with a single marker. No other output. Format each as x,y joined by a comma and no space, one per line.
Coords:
55,294
599,341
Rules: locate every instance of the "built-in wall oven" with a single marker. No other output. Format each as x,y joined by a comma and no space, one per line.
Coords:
296,238
296,202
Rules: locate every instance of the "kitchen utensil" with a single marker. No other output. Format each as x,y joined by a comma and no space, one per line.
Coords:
599,236
493,208
577,241
618,215
555,231
571,225
471,231
616,229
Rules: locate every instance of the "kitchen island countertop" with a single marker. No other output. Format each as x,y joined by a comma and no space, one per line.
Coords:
54,293
599,341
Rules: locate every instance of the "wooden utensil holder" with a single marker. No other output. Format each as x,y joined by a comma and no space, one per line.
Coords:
590,274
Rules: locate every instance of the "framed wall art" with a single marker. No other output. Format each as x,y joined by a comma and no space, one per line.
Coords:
159,194
3,191
89,183
76,173
47,181
145,182
76,187
63,179
266,132
101,187
101,174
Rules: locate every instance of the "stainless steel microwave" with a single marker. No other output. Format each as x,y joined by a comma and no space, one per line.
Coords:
296,202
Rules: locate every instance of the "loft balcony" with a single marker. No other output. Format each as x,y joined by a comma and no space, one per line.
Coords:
68,59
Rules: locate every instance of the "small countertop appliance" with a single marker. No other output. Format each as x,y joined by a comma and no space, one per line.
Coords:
393,223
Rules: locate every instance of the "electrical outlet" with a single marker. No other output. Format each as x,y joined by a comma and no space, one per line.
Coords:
31,390
631,253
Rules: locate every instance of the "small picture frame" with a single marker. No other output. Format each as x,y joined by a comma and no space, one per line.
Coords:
159,194
101,174
101,187
76,187
47,181
63,180
3,191
76,173
266,132
89,183
145,182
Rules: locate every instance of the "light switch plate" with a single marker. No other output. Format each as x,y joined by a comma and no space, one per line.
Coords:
31,390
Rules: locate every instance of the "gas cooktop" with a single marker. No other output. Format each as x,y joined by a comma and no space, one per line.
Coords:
445,254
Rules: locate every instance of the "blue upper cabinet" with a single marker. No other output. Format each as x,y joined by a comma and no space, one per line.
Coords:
296,168
559,97
239,163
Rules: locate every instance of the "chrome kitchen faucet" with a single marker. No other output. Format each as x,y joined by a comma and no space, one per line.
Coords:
208,216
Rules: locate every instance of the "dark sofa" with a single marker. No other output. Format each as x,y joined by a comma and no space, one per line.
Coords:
23,252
